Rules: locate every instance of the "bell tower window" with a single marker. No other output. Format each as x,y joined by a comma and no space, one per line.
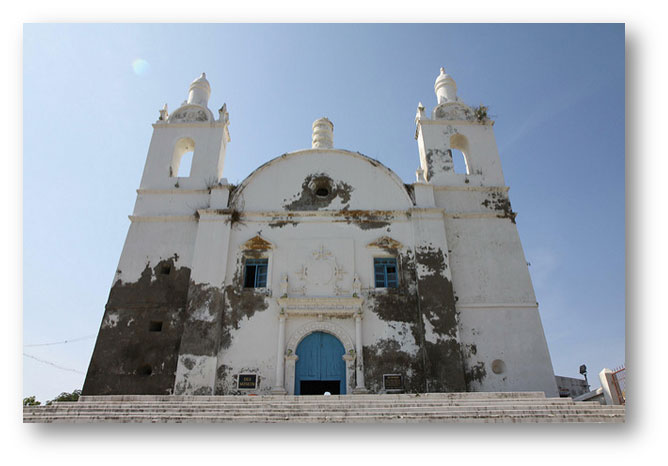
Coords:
182,160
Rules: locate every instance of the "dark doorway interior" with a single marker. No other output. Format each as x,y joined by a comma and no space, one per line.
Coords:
319,387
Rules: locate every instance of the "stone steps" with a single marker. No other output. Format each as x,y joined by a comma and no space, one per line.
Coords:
432,407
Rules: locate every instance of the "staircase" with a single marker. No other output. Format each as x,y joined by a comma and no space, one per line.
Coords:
476,407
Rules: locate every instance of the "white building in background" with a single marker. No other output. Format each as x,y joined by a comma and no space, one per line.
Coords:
323,270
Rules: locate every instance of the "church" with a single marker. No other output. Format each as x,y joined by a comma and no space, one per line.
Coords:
322,271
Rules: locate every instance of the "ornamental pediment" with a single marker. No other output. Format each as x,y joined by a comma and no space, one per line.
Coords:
385,242
257,243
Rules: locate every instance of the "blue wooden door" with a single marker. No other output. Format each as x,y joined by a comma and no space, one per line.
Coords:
320,358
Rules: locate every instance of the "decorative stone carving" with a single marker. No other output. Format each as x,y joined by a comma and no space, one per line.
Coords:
189,114
454,111
321,274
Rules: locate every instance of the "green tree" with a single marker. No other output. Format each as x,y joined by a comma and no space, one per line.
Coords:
74,396
31,401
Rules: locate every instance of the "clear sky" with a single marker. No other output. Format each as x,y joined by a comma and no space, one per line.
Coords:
92,91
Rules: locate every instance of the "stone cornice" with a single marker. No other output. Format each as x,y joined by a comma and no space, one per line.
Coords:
316,306
504,189
204,124
466,215
496,306
429,121
172,191
162,218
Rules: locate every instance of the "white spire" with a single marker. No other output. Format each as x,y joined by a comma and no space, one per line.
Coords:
445,88
199,91
323,134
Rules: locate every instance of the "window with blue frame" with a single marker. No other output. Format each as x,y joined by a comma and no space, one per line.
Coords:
385,272
255,275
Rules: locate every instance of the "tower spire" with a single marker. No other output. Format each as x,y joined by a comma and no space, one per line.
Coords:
445,88
199,91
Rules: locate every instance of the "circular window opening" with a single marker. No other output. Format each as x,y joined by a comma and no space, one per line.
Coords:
498,366
145,370
322,192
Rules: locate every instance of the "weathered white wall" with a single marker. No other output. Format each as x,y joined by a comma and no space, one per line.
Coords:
454,236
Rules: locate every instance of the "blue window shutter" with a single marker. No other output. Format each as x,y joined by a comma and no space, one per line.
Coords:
256,273
385,272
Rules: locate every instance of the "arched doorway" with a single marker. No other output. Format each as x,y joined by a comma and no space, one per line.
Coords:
320,367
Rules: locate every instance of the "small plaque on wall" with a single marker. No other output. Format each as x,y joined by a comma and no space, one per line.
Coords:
393,382
247,381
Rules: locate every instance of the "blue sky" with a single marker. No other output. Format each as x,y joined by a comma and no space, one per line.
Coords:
555,91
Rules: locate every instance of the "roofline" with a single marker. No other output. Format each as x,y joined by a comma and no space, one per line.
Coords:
359,155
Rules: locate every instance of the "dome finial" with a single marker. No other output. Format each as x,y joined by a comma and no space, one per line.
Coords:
199,91
323,134
445,88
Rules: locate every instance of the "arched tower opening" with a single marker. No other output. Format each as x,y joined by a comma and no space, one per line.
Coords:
182,159
459,148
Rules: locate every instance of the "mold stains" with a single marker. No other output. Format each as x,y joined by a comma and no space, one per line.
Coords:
438,160
201,333
223,380
501,204
387,357
125,345
194,381
280,222
318,192
240,303
424,298
368,219
444,368
475,375
411,192
437,299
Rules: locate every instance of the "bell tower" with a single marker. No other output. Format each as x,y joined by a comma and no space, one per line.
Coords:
454,126
190,128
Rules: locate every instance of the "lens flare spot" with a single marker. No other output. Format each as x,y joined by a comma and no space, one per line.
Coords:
140,66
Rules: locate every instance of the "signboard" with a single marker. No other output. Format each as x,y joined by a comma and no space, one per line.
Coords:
393,382
248,381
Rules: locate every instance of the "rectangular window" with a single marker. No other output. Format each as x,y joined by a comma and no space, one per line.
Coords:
256,273
385,272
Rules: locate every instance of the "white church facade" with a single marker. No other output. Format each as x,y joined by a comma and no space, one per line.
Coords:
323,270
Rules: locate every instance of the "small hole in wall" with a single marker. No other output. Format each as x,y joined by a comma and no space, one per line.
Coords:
498,366
165,269
322,192
145,370
155,326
